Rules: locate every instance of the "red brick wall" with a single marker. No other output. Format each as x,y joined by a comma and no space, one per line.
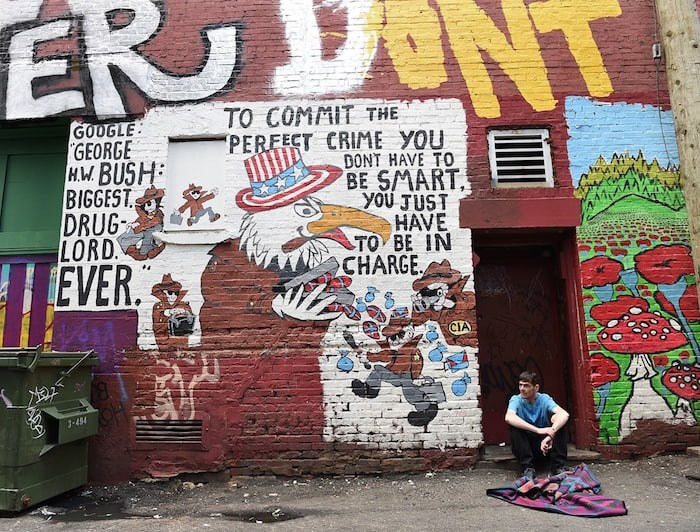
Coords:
256,381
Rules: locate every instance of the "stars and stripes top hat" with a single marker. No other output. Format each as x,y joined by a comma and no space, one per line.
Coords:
279,177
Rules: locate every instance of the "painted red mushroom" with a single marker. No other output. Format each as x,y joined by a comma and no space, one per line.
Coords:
668,266
683,379
631,329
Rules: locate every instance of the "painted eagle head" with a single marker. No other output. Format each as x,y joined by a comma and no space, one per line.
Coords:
296,234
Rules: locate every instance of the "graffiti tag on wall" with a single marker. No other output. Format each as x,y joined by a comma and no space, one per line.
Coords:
414,33
176,383
107,40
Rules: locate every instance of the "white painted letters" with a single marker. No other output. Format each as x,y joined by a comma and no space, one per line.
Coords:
106,49
23,69
308,73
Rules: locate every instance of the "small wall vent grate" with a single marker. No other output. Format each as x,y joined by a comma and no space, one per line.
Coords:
520,158
169,431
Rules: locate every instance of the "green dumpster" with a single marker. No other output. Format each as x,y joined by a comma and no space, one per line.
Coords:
45,421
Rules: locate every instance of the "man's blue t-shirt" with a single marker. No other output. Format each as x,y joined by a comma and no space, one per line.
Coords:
537,413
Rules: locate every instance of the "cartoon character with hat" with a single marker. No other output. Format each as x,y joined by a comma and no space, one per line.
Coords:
138,241
432,289
287,231
172,316
195,198
404,366
440,297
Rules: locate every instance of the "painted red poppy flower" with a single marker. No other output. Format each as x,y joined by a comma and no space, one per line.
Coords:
600,271
665,264
660,360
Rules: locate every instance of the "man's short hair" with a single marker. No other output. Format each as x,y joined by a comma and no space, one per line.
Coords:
531,377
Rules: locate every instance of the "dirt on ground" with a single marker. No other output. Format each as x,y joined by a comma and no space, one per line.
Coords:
661,493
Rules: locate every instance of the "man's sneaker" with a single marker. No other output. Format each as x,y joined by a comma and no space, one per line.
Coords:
530,473
558,471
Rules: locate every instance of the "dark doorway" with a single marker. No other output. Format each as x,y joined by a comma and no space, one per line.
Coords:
519,319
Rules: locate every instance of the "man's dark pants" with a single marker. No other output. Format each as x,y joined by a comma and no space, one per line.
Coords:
525,445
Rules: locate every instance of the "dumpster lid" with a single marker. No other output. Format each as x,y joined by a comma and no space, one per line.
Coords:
31,357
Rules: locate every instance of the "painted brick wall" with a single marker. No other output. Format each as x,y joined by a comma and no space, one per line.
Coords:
639,286
289,336
219,283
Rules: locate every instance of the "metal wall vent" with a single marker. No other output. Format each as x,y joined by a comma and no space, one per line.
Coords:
520,158
169,431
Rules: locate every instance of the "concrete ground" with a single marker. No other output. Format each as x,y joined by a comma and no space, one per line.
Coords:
661,493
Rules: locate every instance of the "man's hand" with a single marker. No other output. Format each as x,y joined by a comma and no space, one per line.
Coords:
546,445
546,431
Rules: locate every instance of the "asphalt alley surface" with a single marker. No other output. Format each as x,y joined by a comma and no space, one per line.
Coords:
661,493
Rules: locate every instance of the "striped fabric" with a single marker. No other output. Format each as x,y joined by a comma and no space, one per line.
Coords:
27,291
576,492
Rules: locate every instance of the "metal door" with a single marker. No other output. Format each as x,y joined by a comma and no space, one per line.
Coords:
519,328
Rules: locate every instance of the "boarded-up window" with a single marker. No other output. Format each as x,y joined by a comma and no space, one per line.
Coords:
195,173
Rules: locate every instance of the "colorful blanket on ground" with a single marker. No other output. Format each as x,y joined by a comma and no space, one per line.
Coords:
574,492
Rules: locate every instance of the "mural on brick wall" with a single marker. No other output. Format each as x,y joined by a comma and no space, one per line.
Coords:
176,384
105,38
640,296
336,212
333,47
463,30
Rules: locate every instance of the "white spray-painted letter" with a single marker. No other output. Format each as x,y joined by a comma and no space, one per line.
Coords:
24,69
307,73
116,48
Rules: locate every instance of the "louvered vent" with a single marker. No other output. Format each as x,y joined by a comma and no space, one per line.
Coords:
169,431
520,158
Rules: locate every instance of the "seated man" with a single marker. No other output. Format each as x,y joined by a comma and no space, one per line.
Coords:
536,426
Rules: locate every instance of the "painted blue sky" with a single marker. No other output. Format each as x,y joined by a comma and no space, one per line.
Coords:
601,128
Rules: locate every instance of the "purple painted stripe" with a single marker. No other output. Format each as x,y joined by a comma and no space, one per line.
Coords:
15,300
24,259
37,322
